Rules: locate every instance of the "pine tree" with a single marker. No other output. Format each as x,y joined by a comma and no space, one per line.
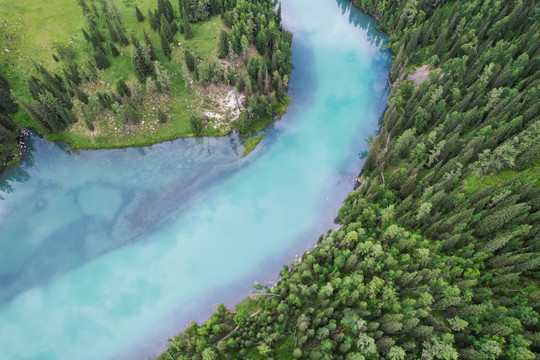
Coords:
162,117
231,53
189,58
8,129
223,44
102,62
151,86
139,14
115,37
136,92
131,114
196,124
7,105
165,46
152,20
36,115
165,30
188,33
114,50
163,77
81,95
245,48
122,89
151,48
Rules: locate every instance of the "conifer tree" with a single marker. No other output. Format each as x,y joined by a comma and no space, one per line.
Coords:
114,50
152,20
101,60
162,117
188,32
139,14
165,46
165,29
81,95
122,89
189,58
151,48
223,44
196,124
7,105
163,77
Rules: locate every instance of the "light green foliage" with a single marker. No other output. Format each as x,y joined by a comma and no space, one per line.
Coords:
396,353
252,142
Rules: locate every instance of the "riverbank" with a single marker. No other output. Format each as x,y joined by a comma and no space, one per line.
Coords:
438,252
110,86
154,134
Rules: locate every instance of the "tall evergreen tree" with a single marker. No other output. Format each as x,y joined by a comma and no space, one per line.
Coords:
166,30
7,105
102,62
114,50
165,46
188,32
122,89
189,58
223,44
140,16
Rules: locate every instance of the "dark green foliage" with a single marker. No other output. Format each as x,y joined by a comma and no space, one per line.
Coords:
166,30
223,44
189,57
162,117
142,56
152,19
132,115
165,9
197,124
7,105
165,46
140,16
89,125
114,50
81,95
101,60
122,89
188,32
8,129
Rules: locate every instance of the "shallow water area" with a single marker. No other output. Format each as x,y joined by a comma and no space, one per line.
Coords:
105,254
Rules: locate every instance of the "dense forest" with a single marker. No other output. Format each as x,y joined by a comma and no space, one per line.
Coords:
9,130
249,58
438,254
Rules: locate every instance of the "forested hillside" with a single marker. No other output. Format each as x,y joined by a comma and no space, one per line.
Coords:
9,130
130,77
438,255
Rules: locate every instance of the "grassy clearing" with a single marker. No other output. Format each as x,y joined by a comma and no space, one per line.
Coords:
179,104
252,142
474,183
29,30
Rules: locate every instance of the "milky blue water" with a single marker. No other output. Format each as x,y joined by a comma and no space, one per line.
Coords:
104,254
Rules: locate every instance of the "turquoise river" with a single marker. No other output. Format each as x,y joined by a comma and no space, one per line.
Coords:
105,254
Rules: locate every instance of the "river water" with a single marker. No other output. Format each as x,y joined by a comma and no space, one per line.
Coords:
104,254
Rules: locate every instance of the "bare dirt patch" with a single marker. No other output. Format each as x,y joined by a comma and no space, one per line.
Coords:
222,105
420,74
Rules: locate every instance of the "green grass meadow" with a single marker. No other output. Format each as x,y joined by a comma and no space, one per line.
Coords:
29,30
